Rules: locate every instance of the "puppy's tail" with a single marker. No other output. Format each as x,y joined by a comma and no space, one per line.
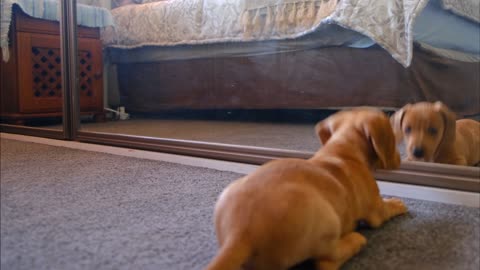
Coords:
231,256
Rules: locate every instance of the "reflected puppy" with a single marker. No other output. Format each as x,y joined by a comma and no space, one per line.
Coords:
431,134
291,210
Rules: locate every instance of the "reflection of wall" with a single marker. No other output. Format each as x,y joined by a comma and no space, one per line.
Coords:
98,3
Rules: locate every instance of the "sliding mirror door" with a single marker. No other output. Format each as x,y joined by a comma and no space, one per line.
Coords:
31,84
249,76
173,83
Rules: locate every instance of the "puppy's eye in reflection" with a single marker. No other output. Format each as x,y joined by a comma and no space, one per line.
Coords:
432,131
408,130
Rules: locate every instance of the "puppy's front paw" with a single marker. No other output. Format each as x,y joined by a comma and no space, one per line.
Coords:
395,206
357,240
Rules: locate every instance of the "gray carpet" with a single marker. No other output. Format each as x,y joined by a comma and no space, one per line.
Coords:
70,209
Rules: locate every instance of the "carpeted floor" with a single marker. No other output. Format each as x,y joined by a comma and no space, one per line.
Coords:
70,209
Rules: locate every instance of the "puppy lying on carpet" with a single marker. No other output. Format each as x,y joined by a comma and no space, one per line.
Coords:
291,210
431,134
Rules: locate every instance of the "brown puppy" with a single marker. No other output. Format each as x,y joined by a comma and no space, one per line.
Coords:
431,134
291,210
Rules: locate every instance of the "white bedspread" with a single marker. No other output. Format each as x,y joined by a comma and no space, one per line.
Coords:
388,22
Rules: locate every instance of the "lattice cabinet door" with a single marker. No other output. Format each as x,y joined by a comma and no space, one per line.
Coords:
40,77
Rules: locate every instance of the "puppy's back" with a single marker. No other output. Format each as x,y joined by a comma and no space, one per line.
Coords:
468,131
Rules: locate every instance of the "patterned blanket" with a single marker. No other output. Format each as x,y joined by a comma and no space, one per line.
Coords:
166,23
466,8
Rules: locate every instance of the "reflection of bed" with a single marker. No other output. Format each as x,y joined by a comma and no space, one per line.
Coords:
314,64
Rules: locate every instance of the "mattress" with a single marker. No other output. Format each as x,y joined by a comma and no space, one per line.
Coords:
326,36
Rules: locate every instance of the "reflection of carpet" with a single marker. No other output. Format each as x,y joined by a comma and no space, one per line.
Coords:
277,135
71,209
299,137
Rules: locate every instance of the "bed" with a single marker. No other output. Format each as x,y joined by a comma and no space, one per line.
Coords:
293,54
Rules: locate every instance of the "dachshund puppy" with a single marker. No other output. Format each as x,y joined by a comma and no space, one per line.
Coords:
291,210
431,133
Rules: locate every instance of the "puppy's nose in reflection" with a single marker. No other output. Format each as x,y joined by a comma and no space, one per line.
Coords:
418,152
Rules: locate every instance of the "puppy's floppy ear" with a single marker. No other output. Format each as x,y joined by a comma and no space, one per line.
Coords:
396,121
323,130
449,123
380,134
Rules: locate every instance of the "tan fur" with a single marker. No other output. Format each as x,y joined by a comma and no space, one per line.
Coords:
290,210
454,142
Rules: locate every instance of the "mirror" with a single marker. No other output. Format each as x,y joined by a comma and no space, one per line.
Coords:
262,73
31,93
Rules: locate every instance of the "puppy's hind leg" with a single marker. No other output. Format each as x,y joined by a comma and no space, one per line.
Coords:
346,247
387,209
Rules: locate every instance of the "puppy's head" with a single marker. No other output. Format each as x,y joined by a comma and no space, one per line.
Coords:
424,127
365,125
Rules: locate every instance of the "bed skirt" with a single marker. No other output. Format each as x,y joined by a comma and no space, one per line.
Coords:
319,78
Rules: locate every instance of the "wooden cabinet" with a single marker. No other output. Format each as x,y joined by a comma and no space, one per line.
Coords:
31,81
